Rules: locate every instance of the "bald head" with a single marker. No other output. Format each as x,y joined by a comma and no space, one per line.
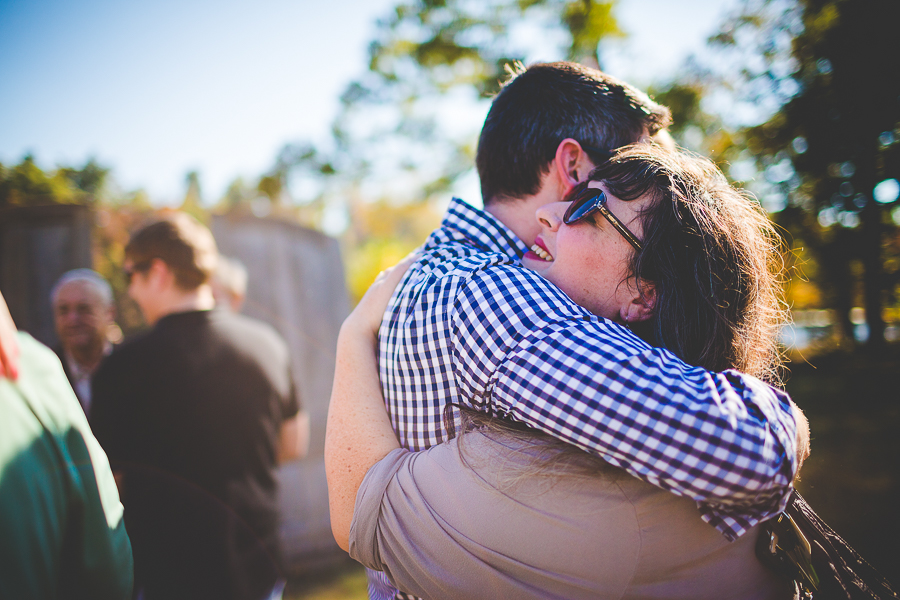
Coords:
229,283
89,278
83,313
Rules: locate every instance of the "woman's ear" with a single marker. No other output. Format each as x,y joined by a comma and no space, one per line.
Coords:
642,305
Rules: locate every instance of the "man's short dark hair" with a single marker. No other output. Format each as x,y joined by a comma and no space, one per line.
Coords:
183,243
541,106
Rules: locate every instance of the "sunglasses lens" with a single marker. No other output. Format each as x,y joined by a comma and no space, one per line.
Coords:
582,205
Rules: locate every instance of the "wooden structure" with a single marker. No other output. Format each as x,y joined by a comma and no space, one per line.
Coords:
37,245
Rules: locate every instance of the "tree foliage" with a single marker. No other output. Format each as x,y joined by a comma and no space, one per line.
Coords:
405,128
695,128
116,215
26,184
830,67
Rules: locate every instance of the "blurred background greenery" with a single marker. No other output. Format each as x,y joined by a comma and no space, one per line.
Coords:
797,100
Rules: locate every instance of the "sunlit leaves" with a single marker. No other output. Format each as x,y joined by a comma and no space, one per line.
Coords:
589,22
408,127
829,68
28,184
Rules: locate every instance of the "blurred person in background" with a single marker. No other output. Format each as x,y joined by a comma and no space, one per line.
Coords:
61,528
229,283
84,314
195,416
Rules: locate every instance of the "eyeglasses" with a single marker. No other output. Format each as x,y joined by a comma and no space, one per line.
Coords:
137,268
586,202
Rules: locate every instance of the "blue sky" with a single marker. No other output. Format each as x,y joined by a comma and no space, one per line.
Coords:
156,89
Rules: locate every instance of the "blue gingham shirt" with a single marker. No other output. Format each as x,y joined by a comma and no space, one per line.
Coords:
469,325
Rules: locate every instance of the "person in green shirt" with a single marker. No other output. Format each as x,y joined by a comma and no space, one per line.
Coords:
61,529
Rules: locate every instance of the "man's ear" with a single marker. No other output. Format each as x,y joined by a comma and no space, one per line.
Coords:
642,305
572,163
159,273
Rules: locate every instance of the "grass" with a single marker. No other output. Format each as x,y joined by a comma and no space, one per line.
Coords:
346,581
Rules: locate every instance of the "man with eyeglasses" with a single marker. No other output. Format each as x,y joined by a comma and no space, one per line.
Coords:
195,416
468,325
83,313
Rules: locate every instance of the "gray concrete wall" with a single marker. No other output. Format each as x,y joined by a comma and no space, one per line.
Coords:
296,283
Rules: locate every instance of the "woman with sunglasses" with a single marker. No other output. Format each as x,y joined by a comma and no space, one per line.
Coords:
656,241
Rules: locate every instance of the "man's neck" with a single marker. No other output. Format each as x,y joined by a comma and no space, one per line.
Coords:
518,215
563,173
178,301
88,358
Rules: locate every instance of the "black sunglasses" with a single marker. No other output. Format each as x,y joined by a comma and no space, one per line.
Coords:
586,202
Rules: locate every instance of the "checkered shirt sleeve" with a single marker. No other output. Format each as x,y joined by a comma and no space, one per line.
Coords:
468,325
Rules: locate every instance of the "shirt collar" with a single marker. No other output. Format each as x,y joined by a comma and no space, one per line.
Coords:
77,370
184,316
481,229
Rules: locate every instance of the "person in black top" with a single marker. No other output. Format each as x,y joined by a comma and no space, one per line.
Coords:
195,415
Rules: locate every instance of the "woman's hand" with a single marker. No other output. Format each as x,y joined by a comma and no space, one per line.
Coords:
359,433
9,346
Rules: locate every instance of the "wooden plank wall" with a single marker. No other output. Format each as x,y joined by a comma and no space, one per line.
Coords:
37,245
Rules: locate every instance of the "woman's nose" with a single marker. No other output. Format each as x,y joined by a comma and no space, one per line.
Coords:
550,215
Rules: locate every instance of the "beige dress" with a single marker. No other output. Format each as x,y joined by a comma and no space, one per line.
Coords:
487,526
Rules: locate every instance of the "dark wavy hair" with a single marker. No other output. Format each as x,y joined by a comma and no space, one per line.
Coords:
713,256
